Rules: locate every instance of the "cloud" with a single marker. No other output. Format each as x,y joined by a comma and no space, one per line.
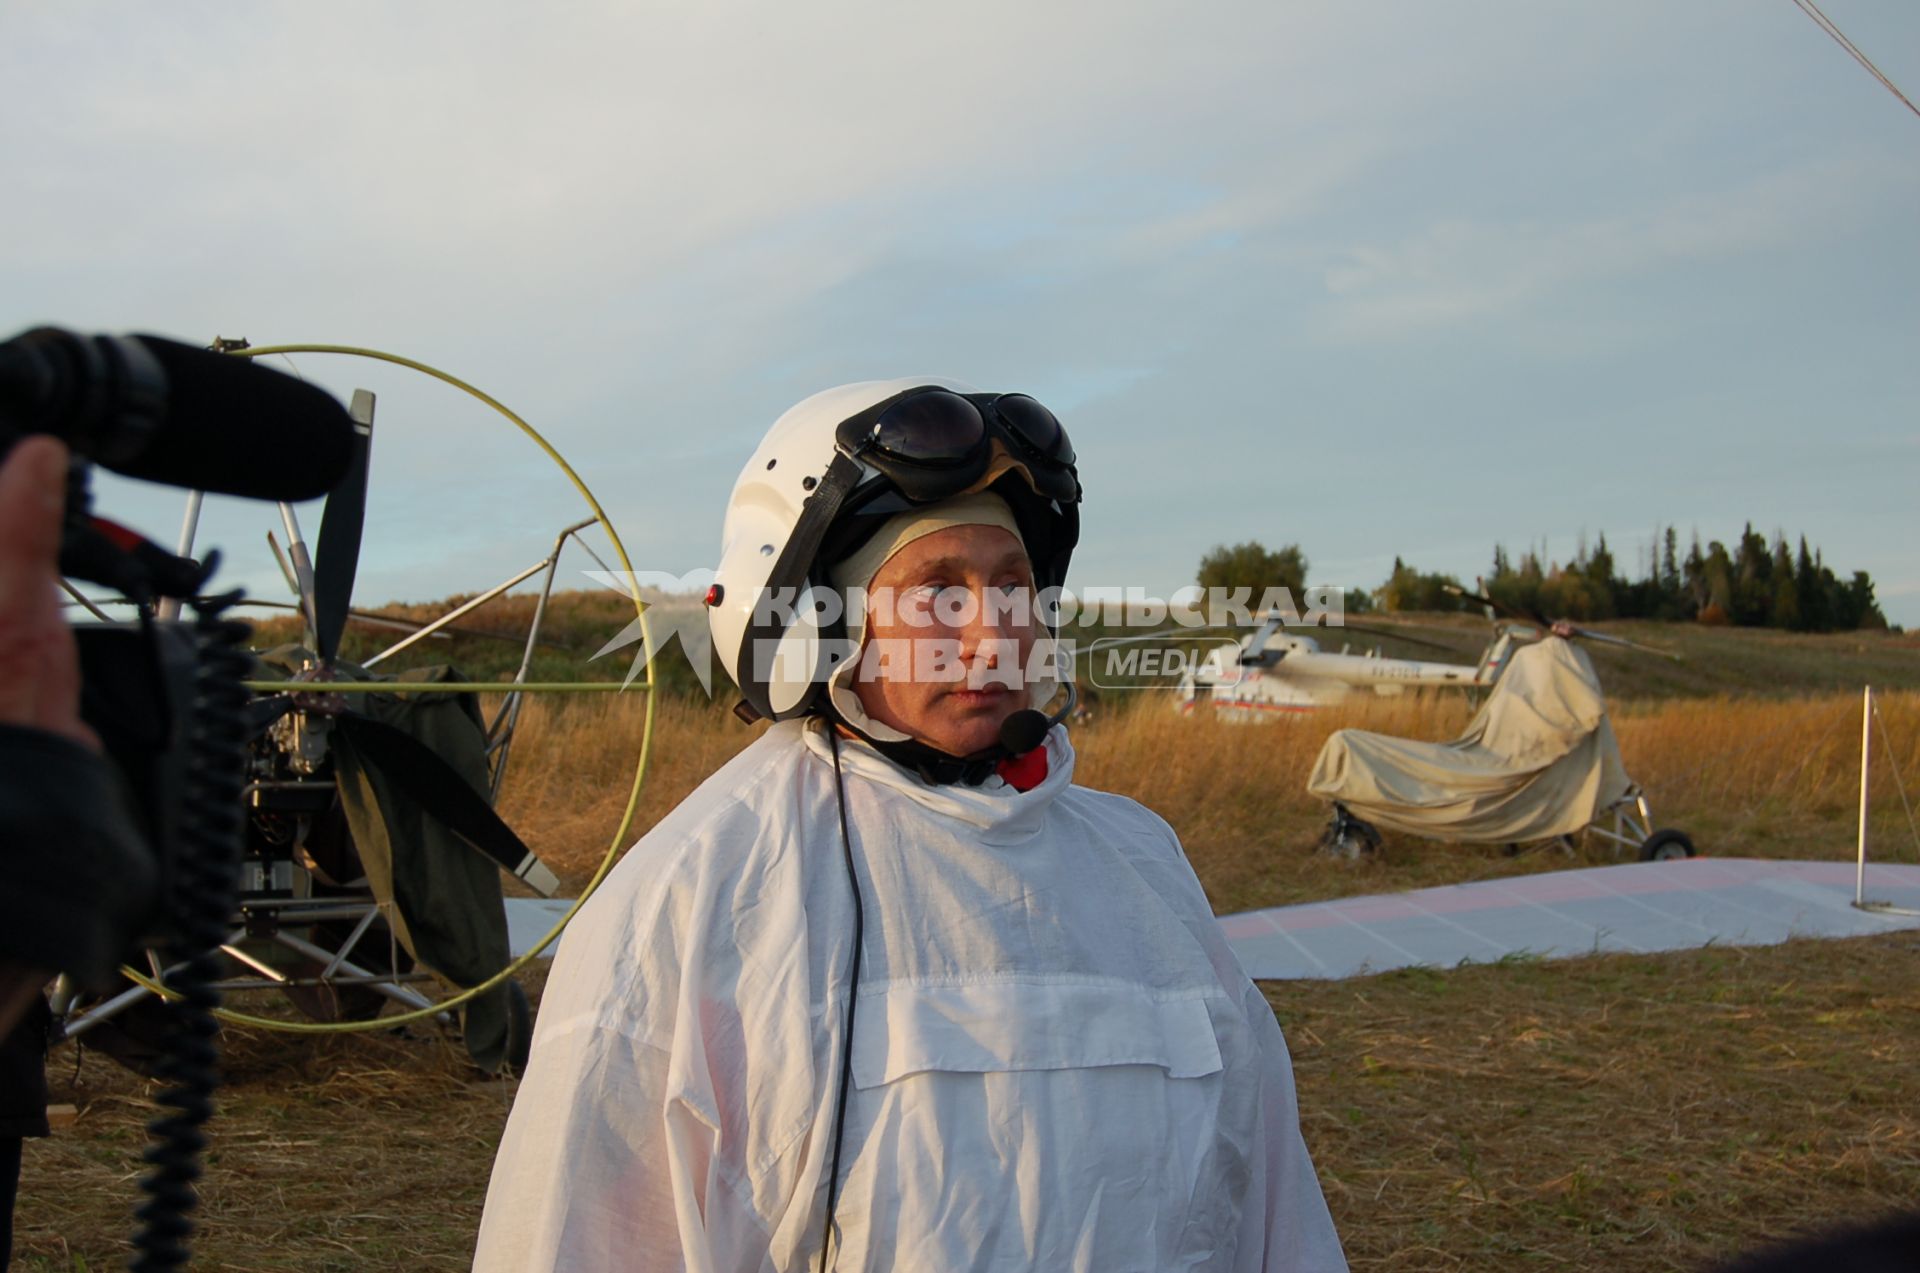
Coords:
1454,271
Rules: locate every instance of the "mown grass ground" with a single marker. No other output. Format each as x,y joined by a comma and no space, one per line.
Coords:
1616,1112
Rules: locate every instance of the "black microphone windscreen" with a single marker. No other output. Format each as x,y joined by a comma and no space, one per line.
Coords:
236,428
1026,729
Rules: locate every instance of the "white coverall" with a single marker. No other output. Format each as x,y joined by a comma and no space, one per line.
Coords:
1057,1062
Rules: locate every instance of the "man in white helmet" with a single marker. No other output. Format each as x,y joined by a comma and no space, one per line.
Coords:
888,991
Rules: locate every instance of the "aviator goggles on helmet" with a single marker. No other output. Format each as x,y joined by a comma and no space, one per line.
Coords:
932,443
927,444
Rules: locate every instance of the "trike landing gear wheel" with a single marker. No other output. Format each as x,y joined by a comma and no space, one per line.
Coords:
1666,846
136,1037
519,1027
1348,837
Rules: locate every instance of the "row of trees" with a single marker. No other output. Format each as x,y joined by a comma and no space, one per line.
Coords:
1757,583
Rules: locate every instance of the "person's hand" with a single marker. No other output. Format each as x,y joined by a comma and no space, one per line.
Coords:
39,665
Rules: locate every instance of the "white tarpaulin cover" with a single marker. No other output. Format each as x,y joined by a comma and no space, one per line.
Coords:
1635,908
1538,760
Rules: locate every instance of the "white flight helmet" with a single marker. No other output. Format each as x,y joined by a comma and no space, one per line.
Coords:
841,462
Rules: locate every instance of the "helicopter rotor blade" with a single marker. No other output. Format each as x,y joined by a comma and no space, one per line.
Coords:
1479,599
1392,634
1484,600
1607,638
338,548
1164,634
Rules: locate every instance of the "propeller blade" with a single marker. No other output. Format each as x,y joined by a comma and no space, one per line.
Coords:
418,770
338,548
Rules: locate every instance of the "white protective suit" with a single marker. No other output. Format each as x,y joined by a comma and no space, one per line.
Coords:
1057,1062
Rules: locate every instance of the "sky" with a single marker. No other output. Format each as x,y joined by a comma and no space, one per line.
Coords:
1378,278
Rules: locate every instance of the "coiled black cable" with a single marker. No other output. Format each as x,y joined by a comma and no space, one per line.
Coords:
201,897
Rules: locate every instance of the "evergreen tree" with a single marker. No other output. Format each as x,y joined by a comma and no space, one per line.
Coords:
1783,607
1752,579
1718,575
1599,593
1695,574
1809,596
1757,583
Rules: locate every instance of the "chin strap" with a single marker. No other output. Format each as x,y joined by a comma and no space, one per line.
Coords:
1020,757
935,767
938,768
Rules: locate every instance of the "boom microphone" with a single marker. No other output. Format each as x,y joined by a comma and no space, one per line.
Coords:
1027,728
162,411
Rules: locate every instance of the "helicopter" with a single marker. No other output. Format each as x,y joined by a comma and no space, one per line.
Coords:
1271,673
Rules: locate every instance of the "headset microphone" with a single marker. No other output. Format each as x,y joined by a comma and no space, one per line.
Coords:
1026,729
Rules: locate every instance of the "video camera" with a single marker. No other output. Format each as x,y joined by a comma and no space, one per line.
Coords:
101,858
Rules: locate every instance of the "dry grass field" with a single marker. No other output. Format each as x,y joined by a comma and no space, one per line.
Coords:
1750,777
1627,1113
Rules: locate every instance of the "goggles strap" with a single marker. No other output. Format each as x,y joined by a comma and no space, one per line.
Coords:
791,567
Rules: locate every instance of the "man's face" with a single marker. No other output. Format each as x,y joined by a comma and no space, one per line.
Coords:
950,629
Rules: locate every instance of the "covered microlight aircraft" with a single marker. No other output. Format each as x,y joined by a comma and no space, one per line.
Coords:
1538,762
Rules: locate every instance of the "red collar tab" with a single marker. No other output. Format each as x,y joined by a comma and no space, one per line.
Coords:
1024,773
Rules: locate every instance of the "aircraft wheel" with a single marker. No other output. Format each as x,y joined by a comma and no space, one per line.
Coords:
1666,846
519,1027
331,1003
1350,838
136,1037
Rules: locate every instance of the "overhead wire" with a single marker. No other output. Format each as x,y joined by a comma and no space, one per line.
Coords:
1812,10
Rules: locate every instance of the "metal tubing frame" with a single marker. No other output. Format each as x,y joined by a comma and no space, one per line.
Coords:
286,911
110,1008
169,607
302,568
454,613
353,939
388,985
500,732
82,598
1623,821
